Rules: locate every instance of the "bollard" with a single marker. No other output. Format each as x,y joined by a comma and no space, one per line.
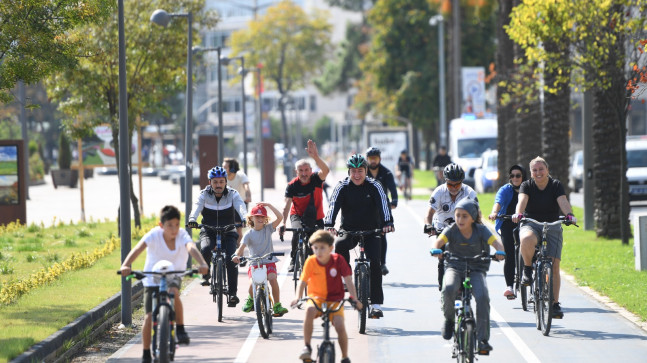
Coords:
640,241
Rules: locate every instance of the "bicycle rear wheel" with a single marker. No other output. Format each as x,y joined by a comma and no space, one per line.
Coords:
326,353
523,290
362,295
164,336
220,273
261,310
297,269
546,310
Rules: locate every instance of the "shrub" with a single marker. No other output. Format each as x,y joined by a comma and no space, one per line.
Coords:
64,152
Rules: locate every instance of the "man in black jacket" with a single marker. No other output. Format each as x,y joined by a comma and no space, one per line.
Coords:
382,174
364,206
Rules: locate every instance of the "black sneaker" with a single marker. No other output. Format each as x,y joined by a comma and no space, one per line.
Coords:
484,347
375,314
345,360
233,300
183,338
557,311
385,271
205,280
291,267
147,359
526,280
448,330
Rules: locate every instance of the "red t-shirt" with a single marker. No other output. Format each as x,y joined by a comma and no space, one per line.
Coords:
301,194
325,282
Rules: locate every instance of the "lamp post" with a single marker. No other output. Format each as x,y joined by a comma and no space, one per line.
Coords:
438,20
161,17
259,124
241,71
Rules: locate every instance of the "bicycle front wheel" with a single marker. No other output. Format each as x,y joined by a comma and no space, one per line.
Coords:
261,310
546,297
523,290
326,353
220,275
164,336
468,342
362,295
297,269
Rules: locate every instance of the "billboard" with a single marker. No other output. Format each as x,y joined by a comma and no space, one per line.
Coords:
391,142
473,79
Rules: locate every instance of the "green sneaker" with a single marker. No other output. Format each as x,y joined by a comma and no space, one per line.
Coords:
279,310
249,305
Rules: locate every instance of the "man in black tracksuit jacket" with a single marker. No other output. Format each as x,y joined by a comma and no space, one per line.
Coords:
364,206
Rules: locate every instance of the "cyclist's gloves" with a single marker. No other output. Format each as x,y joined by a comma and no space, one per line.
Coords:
571,218
192,224
332,230
436,251
429,229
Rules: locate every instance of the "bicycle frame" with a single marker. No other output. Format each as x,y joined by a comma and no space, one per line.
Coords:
326,350
302,251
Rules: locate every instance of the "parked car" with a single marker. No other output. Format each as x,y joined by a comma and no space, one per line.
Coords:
576,171
637,167
487,173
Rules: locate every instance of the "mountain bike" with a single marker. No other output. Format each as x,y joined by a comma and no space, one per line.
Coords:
263,303
542,290
464,346
302,252
362,274
326,350
163,337
218,287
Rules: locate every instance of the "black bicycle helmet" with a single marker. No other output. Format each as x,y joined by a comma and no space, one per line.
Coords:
356,161
373,151
453,172
217,172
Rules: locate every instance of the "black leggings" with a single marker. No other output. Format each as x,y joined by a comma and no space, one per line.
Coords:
507,230
208,243
372,248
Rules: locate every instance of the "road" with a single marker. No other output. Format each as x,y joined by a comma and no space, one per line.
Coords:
410,329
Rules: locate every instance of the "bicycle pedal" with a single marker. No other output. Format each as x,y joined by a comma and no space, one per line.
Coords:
308,361
484,352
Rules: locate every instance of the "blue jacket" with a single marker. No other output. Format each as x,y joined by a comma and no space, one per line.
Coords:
503,197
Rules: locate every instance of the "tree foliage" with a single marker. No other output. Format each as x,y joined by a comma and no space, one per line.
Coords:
36,37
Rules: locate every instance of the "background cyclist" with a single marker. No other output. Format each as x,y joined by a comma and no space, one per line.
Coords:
238,180
405,172
541,198
442,203
382,174
363,206
218,204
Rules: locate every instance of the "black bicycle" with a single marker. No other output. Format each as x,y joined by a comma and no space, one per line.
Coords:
362,274
542,289
218,286
302,252
431,230
465,328
163,337
520,290
326,350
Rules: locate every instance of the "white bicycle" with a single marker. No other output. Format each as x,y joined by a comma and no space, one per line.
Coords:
263,302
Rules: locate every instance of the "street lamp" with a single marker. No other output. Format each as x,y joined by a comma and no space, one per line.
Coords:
259,125
161,17
221,134
225,61
438,20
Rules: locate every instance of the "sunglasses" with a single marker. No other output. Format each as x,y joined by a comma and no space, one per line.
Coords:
454,185
515,175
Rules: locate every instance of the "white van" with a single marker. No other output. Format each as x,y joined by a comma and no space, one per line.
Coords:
469,137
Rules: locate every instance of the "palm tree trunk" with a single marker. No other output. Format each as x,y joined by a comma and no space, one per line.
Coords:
507,127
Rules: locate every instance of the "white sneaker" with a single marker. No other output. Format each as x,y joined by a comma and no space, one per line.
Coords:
509,293
305,353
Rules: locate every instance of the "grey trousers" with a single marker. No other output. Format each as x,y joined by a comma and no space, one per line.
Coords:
452,283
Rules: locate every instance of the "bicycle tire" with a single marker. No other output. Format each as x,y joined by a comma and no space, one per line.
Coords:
164,336
326,353
219,286
268,317
302,262
523,290
469,342
362,292
212,285
546,298
297,269
260,312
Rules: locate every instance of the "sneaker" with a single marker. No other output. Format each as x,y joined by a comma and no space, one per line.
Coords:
249,305
385,271
557,311
147,359
526,280
448,330
183,338
375,313
291,267
345,360
509,293
279,310
484,347
233,301
205,280
306,353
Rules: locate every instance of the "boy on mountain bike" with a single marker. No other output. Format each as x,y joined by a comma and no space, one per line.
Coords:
259,241
164,242
468,237
322,274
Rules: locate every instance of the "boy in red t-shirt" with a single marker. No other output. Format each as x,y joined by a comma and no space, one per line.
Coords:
322,273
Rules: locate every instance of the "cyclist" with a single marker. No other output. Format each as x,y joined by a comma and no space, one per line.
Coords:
404,172
505,202
304,197
364,206
380,173
541,198
218,205
442,203
238,180
468,223
440,162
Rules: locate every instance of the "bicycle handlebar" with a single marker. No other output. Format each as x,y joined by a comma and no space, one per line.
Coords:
560,220
314,302
296,230
368,232
140,275
219,229
255,259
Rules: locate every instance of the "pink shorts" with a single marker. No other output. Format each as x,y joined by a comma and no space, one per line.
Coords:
271,269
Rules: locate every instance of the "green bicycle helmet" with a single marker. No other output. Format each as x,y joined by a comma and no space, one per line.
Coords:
356,161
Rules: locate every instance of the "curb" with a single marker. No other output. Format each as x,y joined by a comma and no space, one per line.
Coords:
47,349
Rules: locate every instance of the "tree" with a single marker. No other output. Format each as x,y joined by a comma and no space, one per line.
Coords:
156,68
290,45
342,72
36,39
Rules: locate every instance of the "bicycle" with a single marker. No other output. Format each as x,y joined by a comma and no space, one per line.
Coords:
362,274
263,303
326,350
464,346
542,290
521,290
218,285
163,337
430,230
302,253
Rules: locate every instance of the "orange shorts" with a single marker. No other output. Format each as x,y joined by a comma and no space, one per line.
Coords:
332,304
